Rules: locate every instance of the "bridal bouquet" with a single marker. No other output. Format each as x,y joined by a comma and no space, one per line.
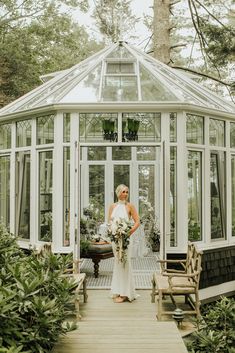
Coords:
119,233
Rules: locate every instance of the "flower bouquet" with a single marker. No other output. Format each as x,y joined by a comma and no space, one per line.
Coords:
119,233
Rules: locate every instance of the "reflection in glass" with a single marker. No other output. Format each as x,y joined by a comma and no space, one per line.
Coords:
141,127
23,195
66,197
66,124
5,136
121,153
45,129
217,178
45,197
146,153
233,193
217,132
194,195
96,191
120,88
97,126
173,196
5,190
173,127
195,129
23,133
152,89
146,187
87,90
121,176
232,135
97,153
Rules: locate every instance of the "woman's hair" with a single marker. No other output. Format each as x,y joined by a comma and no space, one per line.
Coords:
120,189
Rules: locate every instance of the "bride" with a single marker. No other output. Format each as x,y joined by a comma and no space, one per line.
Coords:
122,286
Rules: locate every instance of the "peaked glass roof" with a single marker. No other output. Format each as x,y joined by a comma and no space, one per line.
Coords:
119,73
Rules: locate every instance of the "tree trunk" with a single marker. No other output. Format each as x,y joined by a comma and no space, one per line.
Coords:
161,28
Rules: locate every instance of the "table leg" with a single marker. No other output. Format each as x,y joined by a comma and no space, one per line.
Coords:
96,267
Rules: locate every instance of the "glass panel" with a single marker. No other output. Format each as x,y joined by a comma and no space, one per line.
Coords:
173,127
87,90
146,187
66,197
152,89
23,195
96,192
217,132
194,195
233,193
173,196
121,176
121,153
96,153
195,129
142,127
120,68
5,136
45,129
66,127
23,133
45,199
5,190
98,127
217,179
232,135
146,153
120,52
120,88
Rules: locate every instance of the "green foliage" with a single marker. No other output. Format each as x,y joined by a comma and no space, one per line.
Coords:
37,37
216,329
35,299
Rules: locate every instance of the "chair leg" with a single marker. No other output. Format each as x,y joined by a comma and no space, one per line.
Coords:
197,305
159,305
153,294
85,295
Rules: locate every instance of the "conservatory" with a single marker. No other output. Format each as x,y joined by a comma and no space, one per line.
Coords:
121,116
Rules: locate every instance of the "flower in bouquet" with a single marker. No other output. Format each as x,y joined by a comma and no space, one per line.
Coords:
119,233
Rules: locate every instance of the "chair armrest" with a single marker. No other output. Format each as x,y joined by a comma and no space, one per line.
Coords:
163,264
186,275
171,261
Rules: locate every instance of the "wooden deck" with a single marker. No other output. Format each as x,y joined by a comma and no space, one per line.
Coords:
107,327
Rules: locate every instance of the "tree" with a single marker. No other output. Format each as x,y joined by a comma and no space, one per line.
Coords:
114,18
35,40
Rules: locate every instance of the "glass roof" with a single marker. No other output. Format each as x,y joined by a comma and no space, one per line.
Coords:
119,73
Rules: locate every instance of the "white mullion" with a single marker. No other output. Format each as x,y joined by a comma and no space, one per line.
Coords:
12,179
138,80
228,176
34,187
207,194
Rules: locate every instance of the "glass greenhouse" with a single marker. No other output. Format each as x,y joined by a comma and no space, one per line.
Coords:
120,116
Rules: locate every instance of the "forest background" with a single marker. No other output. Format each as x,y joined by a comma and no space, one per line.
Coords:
42,36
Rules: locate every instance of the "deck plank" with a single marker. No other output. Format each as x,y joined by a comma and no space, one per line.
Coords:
107,327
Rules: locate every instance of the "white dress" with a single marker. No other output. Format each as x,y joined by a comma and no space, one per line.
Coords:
122,281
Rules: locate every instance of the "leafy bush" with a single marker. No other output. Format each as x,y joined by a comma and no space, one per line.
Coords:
216,329
35,299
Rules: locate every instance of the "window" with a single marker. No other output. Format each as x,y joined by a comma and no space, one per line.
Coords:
233,193
217,180
194,195
217,132
66,197
232,135
45,129
120,68
5,190
195,129
173,127
5,136
120,88
22,228
23,133
45,195
66,127
173,196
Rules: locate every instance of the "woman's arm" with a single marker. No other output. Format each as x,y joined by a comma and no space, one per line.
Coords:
110,212
135,218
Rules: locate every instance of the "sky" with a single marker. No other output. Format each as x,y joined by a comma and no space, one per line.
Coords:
139,8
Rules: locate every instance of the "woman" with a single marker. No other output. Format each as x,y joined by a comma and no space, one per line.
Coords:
122,286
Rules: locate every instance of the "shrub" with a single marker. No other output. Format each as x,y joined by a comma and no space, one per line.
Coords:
35,299
216,329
